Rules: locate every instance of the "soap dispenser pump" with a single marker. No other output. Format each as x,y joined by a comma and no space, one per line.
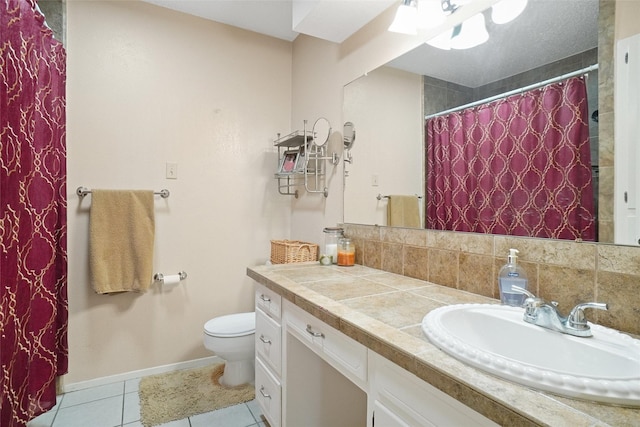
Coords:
511,274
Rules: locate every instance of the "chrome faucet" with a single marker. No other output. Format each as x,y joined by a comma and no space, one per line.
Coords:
541,313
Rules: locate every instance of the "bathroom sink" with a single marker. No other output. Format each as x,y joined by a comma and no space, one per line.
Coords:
496,339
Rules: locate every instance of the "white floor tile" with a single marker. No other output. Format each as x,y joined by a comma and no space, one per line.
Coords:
132,385
100,413
237,415
44,420
92,394
118,404
131,410
254,407
179,423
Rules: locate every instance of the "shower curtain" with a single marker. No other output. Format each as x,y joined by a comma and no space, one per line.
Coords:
33,259
519,166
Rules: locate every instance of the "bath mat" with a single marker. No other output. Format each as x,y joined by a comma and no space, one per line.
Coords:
181,394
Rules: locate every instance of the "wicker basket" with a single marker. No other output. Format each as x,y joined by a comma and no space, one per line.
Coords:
290,251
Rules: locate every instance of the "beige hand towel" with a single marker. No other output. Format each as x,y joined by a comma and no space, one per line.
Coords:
403,211
121,234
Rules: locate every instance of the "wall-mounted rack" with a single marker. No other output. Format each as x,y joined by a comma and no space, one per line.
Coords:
301,161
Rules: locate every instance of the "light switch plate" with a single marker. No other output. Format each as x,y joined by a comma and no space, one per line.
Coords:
172,170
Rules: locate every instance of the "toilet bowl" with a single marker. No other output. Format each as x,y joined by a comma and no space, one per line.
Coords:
231,337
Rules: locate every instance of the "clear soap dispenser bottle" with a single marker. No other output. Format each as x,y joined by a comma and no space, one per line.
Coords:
512,274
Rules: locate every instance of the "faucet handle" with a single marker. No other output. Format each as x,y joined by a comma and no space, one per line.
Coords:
577,320
531,304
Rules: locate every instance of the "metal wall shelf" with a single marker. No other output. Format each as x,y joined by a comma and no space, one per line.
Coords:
301,163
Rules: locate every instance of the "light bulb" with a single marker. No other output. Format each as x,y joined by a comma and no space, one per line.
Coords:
507,10
406,20
473,33
430,14
442,40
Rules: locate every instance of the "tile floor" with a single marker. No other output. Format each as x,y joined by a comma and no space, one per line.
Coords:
117,405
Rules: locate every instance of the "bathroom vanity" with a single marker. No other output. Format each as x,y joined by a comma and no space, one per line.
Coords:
343,347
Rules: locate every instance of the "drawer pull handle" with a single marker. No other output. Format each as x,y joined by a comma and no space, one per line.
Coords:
265,395
265,298
265,340
313,333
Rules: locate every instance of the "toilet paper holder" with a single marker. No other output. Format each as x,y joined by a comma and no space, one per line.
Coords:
159,277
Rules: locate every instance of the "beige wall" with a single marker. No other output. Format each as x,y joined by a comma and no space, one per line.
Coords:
146,85
627,18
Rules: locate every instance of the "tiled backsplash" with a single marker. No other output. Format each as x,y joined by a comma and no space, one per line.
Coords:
563,271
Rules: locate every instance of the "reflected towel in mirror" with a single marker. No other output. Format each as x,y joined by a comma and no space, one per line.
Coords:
403,211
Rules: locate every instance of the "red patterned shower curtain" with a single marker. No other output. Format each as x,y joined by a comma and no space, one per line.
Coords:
33,263
517,166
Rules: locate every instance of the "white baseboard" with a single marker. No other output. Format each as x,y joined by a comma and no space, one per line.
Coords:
66,388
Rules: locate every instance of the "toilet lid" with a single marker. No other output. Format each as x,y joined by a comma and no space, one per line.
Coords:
232,325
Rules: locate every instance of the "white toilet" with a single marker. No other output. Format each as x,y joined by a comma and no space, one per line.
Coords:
232,338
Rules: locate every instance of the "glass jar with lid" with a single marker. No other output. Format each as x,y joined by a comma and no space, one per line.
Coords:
346,253
332,236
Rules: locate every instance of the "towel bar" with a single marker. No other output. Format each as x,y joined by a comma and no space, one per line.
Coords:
83,191
380,197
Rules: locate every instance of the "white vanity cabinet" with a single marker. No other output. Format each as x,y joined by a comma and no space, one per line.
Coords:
269,354
319,376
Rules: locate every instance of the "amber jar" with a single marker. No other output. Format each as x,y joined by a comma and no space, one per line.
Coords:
346,253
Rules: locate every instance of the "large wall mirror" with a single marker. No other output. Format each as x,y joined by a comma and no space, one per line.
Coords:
389,104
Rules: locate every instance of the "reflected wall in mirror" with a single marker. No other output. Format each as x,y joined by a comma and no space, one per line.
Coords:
387,105
549,39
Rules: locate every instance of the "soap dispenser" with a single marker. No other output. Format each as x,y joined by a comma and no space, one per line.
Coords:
511,274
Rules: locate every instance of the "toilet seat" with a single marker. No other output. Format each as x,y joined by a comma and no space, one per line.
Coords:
232,325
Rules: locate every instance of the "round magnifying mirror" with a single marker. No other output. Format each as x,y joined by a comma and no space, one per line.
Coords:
321,131
348,135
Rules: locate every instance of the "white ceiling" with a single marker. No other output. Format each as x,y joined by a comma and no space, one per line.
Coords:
548,30
333,20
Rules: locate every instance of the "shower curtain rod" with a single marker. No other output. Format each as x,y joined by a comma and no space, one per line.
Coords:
515,91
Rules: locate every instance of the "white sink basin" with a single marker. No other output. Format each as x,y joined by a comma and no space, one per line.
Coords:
494,338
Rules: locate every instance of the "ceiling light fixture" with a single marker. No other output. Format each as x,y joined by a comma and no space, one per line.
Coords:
420,14
406,20
473,31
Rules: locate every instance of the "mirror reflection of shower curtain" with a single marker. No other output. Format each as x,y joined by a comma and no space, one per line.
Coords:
33,219
518,166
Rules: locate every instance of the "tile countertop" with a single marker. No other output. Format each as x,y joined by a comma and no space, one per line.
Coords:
384,311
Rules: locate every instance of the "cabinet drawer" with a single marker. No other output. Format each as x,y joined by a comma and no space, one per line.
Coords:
407,400
269,341
343,353
268,394
269,301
